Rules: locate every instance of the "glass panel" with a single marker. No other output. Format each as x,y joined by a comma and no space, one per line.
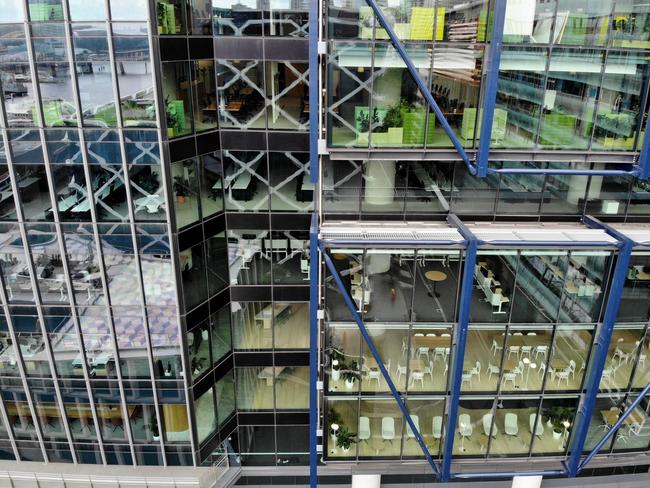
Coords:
621,358
526,355
211,184
176,427
390,341
342,186
629,26
569,356
221,335
287,19
206,415
217,262
129,9
348,263
246,181
291,325
241,94
170,15
494,274
471,195
605,413
55,84
619,101
632,435
584,286
186,192
198,343
483,358
201,11
287,85
342,417
204,95
255,387
253,324
87,9
45,10
176,90
344,358
289,182
553,430
291,257
248,263
386,285
540,280
426,413
430,354
474,419
292,387
226,397
11,11
512,432
385,418
16,76
236,18
520,96
528,22
193,276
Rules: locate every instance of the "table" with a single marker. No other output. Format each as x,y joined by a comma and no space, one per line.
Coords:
234,106
611,415
415,365
435,276
269,373
559,364
431,341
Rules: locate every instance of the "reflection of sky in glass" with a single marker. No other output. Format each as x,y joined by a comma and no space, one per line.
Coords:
128,9
12,11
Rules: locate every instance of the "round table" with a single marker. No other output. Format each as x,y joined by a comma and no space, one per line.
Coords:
435,276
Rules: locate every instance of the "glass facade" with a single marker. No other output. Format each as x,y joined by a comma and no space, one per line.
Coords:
155,205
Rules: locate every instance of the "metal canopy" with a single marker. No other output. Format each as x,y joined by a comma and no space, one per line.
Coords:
637,233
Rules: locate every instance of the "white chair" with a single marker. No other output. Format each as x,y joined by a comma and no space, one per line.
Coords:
495,347
423,351
509,377
532,333
487,422
518,334
418,334
465,429
304,268
514,350
374,374
572,368
540,350
466,378
562,376
439,351
416,422
387,365
538,429
519,369
492,369
401,370
430,335
429,370
476,370
388,429
526,350
436,427
445,334
642,360
608,373
511,425
364,429
404,345
417,376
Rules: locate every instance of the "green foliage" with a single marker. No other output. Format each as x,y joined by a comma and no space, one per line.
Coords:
345,438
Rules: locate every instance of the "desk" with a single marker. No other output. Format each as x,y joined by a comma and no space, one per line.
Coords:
269,373
611,416
246,90
559,364
435,276
151,202
234,106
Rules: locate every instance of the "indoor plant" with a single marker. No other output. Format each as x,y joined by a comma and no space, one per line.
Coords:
179,189
345,439
153,425
350,374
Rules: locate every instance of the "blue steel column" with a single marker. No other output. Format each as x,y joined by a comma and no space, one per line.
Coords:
465,302
601,347
493,54
380,364
313,350
424,89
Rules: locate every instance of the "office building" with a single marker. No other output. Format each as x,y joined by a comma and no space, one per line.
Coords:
479,198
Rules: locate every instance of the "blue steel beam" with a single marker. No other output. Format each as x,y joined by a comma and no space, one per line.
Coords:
313,351
614,428
465,302
314,111
601,347
380,364
424,89
570,172
490,86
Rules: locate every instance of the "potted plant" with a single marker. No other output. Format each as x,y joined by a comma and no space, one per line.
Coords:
153,425
179,189
556,418
345,439
387,130
350,374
